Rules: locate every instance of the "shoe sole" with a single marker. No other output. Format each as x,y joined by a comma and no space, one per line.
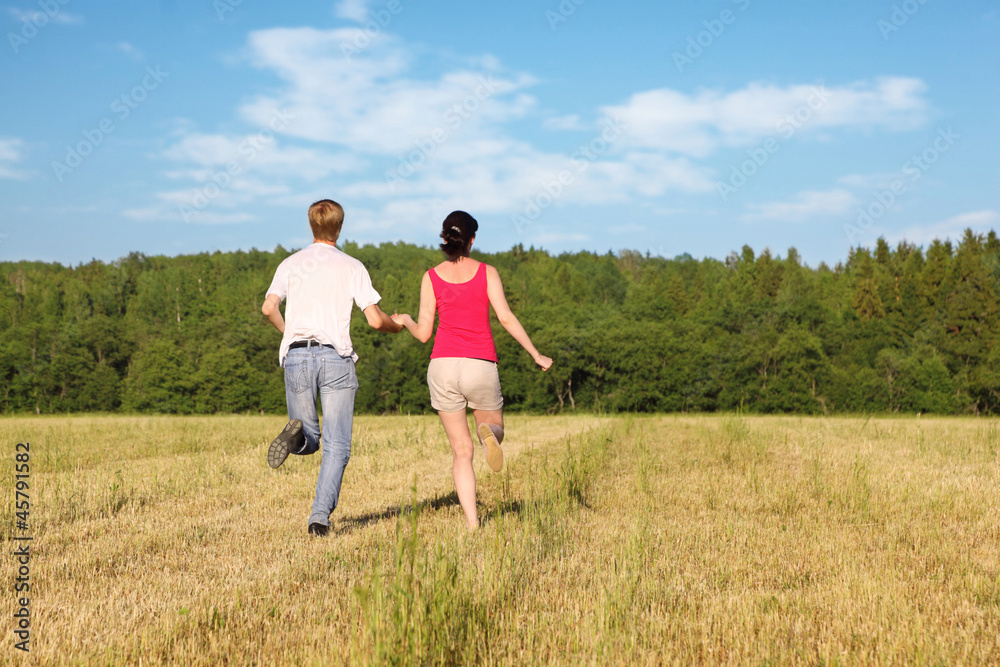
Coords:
279,449
318,530
494,455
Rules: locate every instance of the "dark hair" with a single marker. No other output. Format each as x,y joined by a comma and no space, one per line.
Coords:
457,231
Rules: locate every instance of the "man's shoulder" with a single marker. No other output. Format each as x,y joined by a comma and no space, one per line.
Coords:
321,251
297,255
354,262
322,254
334,257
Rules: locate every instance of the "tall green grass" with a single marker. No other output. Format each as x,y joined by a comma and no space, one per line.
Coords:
435,604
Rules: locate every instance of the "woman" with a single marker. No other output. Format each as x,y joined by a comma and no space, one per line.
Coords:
463,367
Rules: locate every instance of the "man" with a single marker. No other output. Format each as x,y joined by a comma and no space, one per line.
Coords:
321,284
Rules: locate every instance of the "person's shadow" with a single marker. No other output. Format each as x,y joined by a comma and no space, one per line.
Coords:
352,523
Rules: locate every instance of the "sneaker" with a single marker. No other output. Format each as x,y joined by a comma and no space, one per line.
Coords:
289,439
494,455
318,530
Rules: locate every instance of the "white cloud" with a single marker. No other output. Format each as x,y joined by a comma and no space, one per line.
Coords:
656,174
131,51
953,228
446,137
405,150
701,123
11,152
213,199
874,181
259,152
370,105
805,206
352,10
206,217
41,18
571,122
666,212
239,171
366,102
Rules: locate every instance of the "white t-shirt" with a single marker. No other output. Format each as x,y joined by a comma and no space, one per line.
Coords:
321,284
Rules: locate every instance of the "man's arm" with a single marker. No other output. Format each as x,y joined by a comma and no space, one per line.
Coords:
272,312
379,321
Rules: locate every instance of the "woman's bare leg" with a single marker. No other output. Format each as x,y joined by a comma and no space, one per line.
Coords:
456,426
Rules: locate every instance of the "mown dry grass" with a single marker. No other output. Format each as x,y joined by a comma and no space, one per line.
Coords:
657,540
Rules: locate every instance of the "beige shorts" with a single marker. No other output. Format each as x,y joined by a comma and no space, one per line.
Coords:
457,381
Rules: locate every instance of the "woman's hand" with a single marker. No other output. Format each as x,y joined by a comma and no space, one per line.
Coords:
403,319
543,362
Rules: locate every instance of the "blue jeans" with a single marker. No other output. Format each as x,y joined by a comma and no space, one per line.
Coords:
312,370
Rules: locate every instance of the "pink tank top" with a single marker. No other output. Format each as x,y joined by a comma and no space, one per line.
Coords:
464,318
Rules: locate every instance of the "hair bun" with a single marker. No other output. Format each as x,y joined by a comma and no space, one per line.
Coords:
457,232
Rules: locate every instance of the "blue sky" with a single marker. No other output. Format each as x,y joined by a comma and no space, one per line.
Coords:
177,127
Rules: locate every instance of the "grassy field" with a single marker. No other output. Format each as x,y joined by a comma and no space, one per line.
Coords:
624,540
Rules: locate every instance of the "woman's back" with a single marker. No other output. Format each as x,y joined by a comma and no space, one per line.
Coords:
463,308
460,271
463,371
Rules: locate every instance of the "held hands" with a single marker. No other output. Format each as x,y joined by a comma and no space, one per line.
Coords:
403,319
543,362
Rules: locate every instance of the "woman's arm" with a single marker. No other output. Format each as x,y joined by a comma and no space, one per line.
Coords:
494,289
424,326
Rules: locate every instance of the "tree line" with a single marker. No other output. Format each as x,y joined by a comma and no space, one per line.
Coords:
902,329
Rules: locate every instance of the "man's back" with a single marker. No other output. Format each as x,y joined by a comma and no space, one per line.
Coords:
321,284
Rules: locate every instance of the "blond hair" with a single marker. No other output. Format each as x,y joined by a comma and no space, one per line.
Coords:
326,217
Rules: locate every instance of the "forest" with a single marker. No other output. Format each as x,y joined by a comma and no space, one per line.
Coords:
903,329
